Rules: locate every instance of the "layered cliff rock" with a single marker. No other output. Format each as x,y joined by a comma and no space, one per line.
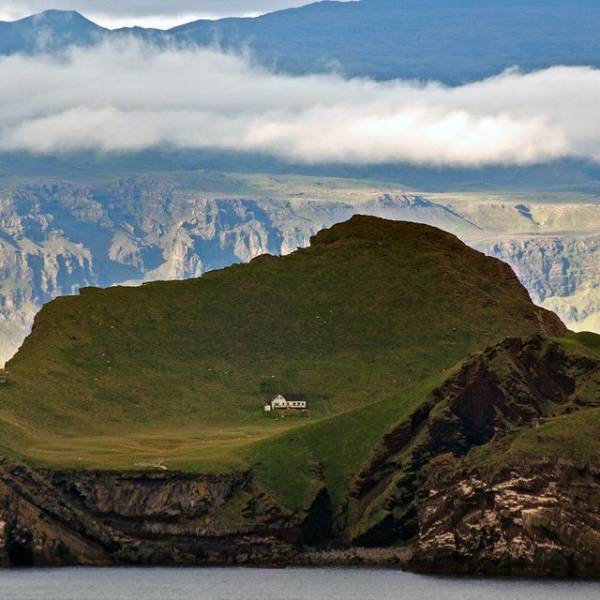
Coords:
531,517
88,518
135,416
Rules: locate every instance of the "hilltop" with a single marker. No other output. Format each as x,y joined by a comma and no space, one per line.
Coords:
133,429
180,370
62,235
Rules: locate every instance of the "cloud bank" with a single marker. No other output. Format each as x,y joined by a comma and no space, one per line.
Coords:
125,97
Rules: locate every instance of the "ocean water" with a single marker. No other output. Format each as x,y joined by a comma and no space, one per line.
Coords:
274,584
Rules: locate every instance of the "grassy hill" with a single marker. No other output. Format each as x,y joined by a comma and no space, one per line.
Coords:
364,323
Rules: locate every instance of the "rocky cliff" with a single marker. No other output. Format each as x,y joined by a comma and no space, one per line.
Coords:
89,518
451,480
451,489
529,518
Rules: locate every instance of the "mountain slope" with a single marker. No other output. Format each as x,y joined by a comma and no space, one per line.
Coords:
181,370
383,39
56,237
470,459
411,39
59,235
50,31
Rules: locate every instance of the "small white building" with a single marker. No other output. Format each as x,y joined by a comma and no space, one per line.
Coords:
287,402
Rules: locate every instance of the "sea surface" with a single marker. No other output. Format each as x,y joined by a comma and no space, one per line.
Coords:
274,584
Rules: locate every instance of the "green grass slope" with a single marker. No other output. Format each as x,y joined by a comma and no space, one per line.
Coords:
178,372
571,435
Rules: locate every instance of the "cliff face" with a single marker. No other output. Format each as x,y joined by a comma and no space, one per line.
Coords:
529,518
446,477
446,492
88,518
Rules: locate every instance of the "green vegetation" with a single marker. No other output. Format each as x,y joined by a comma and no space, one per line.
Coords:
363,323
291,464
572,433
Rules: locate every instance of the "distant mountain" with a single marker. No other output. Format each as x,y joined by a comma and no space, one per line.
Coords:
49,31
448,40
561,272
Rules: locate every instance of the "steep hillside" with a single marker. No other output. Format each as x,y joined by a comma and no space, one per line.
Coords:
56,236
524,499
180,370
133,429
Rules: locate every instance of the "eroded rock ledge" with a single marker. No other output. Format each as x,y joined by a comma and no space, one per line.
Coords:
532,518
444,493
536,519
52,518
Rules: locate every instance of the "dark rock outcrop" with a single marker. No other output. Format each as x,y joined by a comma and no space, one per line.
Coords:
52,518
537,518
512,385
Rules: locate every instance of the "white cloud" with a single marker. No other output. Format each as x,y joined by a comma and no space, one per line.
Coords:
124,96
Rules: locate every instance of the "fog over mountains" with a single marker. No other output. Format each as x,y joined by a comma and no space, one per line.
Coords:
382,39
121,150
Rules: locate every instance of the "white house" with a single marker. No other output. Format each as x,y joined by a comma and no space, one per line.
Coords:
279,402
287,402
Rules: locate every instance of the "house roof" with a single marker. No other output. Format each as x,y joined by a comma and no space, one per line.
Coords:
294,397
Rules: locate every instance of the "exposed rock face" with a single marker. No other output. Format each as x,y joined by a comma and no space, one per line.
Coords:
561,273
510,385
419,483
531,518
51,518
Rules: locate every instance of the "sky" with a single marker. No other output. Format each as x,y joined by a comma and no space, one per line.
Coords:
124,96
146,13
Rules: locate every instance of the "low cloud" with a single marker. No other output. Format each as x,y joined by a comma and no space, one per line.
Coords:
124,96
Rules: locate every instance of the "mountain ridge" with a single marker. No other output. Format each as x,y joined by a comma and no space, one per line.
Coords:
60,235
407,46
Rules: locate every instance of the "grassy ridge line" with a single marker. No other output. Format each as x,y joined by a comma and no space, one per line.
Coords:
179,371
